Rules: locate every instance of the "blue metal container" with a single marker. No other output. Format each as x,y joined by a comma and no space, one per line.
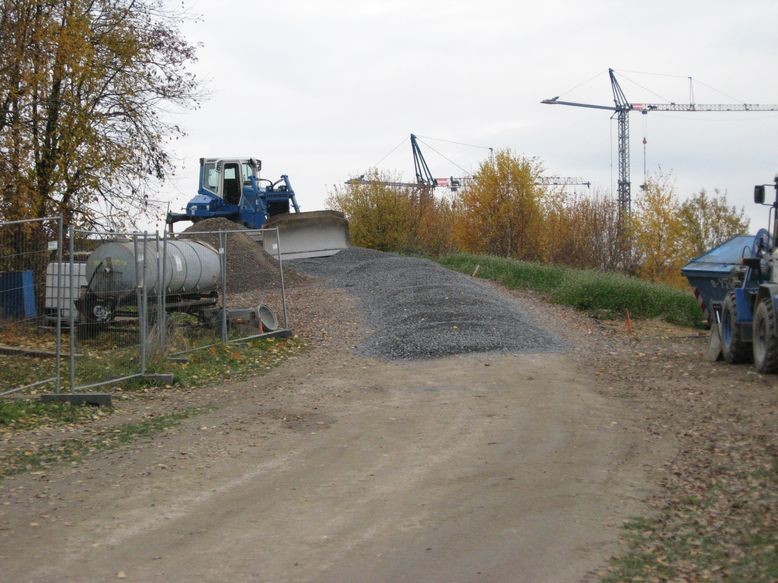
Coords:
710,273
17,294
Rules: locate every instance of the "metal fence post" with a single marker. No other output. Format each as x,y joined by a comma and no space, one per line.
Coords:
281,271
144,299
58,384
138,294
161,312
158,298
223,266
71,311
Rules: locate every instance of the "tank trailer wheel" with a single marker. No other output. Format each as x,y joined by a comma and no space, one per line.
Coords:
95,315
765,341
101,312
735,348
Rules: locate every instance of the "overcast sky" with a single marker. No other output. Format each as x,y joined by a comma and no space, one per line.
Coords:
323,90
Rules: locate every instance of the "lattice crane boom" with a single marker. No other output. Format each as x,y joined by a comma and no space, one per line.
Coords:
688,107
561,181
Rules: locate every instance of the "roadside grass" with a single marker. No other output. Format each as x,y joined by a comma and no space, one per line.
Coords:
225,362
20,370
726,533
20,460
25,414
604,295
109,356
216,364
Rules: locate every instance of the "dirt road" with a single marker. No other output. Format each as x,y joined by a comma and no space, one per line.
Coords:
335,467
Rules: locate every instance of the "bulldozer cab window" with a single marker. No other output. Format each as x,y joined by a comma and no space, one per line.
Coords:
247,173
231,184
211,177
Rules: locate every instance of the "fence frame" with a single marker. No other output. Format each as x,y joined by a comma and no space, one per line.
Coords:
159,245
141,294
222,251
57,378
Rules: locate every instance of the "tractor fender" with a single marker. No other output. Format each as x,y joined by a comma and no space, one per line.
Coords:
744,299
768,290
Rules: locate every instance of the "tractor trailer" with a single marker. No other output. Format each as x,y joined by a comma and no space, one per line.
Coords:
737,284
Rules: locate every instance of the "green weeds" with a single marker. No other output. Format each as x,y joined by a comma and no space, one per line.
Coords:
18,414
229,362
606,295
20,460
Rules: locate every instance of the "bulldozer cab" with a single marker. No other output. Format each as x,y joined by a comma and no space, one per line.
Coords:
227,178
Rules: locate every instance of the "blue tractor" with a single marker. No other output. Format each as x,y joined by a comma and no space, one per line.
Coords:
737,285
232,188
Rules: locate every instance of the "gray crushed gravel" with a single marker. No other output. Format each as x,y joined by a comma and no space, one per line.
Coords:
419,310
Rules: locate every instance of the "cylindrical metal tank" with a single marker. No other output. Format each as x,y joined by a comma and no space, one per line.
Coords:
191,267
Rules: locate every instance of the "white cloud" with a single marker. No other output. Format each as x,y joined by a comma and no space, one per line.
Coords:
322,90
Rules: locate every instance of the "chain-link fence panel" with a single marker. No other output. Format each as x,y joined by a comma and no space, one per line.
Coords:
246,301
117,305
115,280
255,290
193,279
31,301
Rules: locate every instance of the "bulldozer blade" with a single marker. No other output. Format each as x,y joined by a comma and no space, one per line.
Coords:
302,235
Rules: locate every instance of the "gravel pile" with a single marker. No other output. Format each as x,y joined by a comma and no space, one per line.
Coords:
417,309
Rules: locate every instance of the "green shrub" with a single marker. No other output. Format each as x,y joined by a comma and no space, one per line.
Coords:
604,294
509,272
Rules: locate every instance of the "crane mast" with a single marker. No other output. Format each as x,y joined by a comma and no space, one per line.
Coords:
423,175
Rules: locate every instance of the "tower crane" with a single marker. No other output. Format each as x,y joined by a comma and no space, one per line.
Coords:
424,178
622,107
426,182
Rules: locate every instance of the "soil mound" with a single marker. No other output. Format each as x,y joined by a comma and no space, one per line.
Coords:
248,266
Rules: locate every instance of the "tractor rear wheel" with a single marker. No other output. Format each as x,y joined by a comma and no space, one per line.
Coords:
765,339
734,346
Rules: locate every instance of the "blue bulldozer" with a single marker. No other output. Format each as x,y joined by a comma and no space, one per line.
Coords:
737,286
232,188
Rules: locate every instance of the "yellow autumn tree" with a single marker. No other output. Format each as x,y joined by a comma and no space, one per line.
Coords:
666,232
379,215
580,230
499,209
657,232
84,85
386,215
435,226
708,221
